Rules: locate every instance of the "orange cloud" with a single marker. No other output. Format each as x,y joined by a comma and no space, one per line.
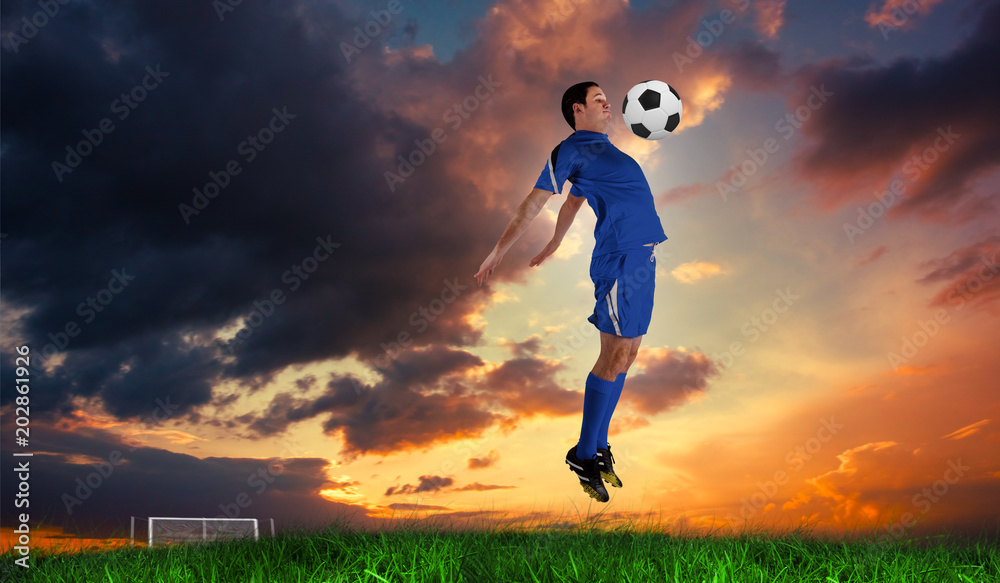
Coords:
914,370
770,17
832,484
427,484
897,13
480,463
696,271
967,430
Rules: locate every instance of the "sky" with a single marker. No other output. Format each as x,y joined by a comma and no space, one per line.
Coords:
239,246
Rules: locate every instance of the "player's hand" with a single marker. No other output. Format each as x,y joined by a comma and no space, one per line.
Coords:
486,269
549,250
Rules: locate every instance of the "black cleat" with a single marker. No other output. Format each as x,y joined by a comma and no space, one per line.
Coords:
589,474
604,464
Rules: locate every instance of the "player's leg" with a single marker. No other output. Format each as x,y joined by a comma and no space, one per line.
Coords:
614,357
599,389
605,270
635,305
609,410
616,393
633,351
605,459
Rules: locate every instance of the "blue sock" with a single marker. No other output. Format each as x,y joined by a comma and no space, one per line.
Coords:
602,435
595,401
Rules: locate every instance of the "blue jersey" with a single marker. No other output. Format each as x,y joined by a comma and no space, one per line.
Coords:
613,185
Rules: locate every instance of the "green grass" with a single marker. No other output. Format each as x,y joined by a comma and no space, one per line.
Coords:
578,553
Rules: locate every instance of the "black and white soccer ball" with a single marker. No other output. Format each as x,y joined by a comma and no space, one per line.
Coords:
652,109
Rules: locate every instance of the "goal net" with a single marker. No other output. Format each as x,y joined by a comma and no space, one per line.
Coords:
165,530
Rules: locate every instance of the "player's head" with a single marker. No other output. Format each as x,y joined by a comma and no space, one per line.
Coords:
585,103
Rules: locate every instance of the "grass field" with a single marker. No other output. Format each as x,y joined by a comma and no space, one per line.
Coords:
585,553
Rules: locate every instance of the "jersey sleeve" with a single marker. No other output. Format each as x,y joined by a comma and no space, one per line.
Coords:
561,166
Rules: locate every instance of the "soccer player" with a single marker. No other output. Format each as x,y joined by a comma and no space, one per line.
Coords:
623,265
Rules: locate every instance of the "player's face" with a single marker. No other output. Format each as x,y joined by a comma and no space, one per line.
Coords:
597,112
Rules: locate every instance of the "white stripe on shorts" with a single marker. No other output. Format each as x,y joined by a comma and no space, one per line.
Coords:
612,298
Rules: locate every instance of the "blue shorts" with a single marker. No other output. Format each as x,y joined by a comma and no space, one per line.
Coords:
623,287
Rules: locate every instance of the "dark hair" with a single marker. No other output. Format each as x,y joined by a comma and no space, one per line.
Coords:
575,94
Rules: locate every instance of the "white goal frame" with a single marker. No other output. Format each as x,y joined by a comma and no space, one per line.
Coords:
204,526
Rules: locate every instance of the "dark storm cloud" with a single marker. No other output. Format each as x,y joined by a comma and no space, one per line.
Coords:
306,382
420,400
319,180
417,368
152,371
433,396
880,117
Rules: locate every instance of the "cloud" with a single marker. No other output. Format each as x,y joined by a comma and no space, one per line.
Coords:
482,463
427,484
770,17
898,13
830,484
527,387
340,484
695,271
157,337
684,193
425,397
754,66
525,348
882,482
399,506
971,273
917,370
669,379
420,401
930,125
967,430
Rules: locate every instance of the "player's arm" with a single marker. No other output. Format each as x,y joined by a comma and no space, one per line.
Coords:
518,224
566,215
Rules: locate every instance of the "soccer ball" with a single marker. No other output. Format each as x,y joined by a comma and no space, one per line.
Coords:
652,109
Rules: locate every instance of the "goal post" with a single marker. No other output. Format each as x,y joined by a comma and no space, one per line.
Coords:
166,530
